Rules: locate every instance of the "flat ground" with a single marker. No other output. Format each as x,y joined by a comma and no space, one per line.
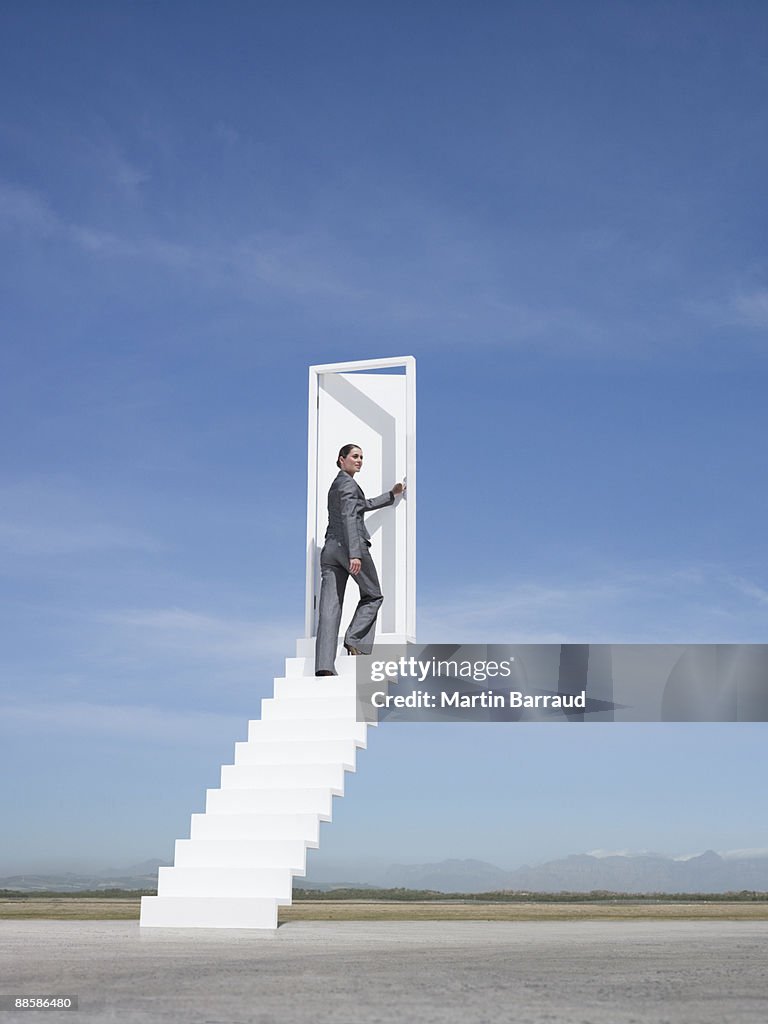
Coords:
355,972
74,908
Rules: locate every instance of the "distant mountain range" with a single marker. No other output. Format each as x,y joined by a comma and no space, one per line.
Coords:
708,872
137,876
582,872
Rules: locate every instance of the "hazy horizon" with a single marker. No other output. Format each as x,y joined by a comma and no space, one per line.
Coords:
338,869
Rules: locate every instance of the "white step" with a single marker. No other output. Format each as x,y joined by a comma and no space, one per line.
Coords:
266,801
277,729
298,752
283,776
346,668
304,827
301,708
305,653
314,689
299,667
207,912
261,883
242,853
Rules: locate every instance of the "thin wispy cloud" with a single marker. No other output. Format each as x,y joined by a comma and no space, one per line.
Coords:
107,244
303,264
320,268
19,538
292,263
226,133
127,177
121,722
751,308
193,634
746,309
529,612
55,516
749,589
690,605
22,208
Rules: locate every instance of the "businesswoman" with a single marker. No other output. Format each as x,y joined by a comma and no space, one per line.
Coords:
347,553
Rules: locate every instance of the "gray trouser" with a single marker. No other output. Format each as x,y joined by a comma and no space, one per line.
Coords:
334,566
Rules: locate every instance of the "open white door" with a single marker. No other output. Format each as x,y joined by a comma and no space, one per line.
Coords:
371,403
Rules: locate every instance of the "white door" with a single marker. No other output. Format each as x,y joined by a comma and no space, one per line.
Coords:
374,410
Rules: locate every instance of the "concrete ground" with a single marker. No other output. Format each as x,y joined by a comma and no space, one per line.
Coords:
573,972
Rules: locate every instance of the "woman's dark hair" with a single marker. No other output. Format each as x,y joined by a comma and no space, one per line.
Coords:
344,452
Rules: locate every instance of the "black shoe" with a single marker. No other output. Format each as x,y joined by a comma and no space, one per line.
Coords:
324,672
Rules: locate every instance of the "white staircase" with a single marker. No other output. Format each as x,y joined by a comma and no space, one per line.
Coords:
243,853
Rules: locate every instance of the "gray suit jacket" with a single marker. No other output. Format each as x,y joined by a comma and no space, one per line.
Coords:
346,507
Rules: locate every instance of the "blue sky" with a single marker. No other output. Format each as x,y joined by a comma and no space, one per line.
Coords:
559,209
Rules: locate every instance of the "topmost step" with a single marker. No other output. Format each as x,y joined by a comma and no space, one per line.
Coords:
345,666
305,646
